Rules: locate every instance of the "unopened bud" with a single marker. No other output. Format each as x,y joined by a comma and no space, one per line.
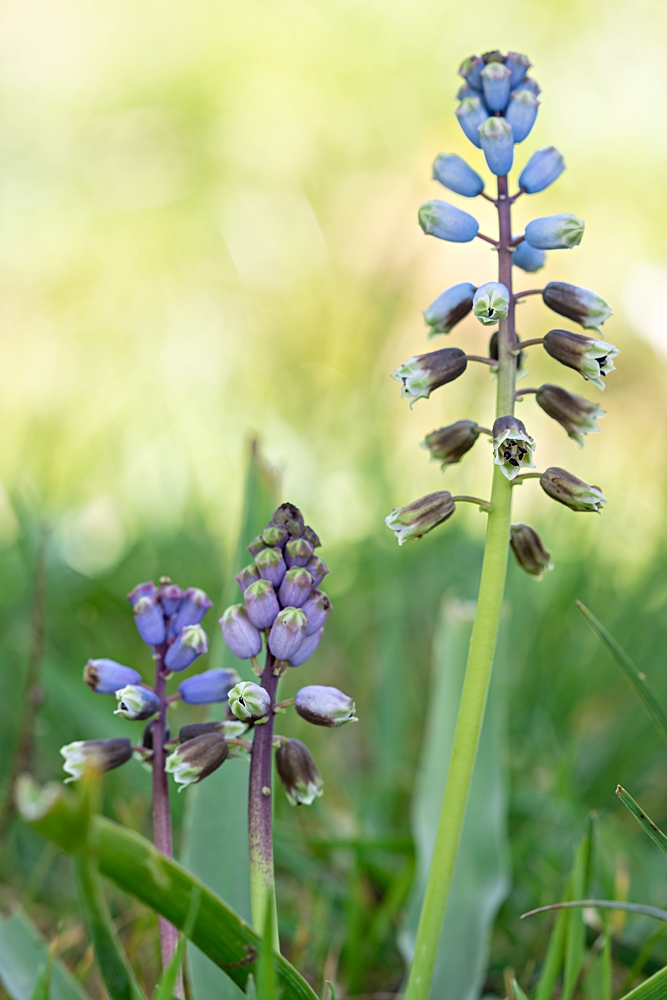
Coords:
527,547
318,569
449,444
149,619
555,232
439,218
311,536
513,447
307,647
518,65
297,552
495,136
261,603
528,258
576,414
256,545
491,303
196,759
574,493
229,728
135,702
287,633
301,779
249,702
496,85
590,357
529,83
421,516
248,575
147,737
471,71
296,586
579,304
271,565
170,596
471,113
142,590
103,755
521,113
324,706
425,372
289,515
543,168
450,307
208,687
317,609
107,676
190,643
240,635
193,607
454,173
275,535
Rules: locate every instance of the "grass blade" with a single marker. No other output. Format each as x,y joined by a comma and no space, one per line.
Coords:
23,951
600,904
165,988
517,992
654,988
635,677
644,821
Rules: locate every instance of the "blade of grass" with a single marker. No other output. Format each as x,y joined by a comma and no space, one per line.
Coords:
23,951
654,988
644,821
517,992
165,988
575,937
600,904
42,990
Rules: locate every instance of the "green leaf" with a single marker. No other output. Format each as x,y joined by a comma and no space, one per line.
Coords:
644,821
165,988
330,991
23,952
635,677
575,935
42,990
481,876
517,992
654,988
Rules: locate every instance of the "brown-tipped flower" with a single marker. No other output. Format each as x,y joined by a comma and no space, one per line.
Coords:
291,517
104,755
298,773
449,444
530,554
421,516
576,414
579,304
513,446
420,375
195,759
571,491
589,356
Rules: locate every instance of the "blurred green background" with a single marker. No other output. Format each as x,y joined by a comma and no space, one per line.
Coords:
208,231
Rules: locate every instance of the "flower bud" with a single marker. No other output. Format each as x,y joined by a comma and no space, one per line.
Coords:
530,554
449,444
513,447
574,493
496,85
528,258
196,759
249,574
576,414
135,703
275,535
491,303
318,569
240,635
297,552
287,633
439,218
107,676
311,536
208,687
317,609
296,586
141,590
271,565
454,173
170,596
147,736
449,308
590,357
555,232
193,607
301,779
256,545
521,113
189,644
261,604
149,619
518,65
493,353
289,515
543,168
471,113
306,649
229,729
249,702
103,755
578,304
425,372
471,71
495,136
528,83
324,706
421,516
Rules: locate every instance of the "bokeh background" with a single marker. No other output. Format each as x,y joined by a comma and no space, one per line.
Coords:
208,233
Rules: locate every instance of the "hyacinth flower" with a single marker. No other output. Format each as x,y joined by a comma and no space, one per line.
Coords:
497,110
283,613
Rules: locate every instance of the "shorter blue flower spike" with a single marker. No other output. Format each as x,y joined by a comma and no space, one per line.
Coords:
471,71
521,113
439,218
543,168
184,650
471,113
518,65
450,307
149,620
496,84
107,676
528,258
497,143
555,232
454,173
208,687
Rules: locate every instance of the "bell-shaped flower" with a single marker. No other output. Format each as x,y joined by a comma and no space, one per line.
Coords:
229,728
491,303
189,644
528,258
439,218
521,113
555,232
513,447
208,687
292,518
103,755
420,375
471,71
579,304
287,633
589,356
421,516
297,552
324,706
318,569
297,771
450,307
107,676
311,536
240,635
170,596
453,172
497,141
471,114
147,589
448,445
577,415
250,702
195,759
295,588
307,647
317,609
518,65
529,551
149,619
496,84
271,565
136,702
249,574
567,489
192,609
543,168
261,604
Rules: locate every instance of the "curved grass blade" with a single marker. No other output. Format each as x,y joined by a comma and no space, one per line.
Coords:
635,677
646,823
601,904
654,988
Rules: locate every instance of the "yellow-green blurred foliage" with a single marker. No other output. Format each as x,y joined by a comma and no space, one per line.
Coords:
208,226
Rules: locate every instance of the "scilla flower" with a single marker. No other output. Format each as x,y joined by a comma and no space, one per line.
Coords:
449,444
577,415
495,136
298,773
555,232
543,168
420,375
567,489
195,759
454,173
324,706
439,218
249,702
136,702
104,755
590,357
528,550
450,307
415,519
491,303
107,676
513,447
578,304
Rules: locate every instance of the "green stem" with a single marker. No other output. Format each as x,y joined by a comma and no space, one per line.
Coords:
480,656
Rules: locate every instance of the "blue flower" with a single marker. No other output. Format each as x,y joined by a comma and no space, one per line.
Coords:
439,218
454,173
555,232
498,145
543,168
521,113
